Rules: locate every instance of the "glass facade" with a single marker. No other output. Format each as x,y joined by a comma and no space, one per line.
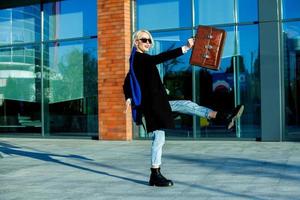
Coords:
291,54
224,12
48,66
237,81
290,9
168,14
48,69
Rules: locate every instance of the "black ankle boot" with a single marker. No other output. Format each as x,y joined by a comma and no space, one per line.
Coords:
157,179
230,117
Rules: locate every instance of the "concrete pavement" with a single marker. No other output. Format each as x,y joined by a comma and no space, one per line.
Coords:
44,169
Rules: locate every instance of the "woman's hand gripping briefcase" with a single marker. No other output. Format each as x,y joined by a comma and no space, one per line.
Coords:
207,51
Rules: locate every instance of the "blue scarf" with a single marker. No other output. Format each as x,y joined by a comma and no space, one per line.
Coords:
135,88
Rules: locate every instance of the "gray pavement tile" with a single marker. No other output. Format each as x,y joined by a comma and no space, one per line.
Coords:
45,169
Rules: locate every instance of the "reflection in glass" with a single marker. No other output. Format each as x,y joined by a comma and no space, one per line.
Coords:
291,37
247,10
20,25
215,89
69,72
290,9
176,75
66,72
163,14
20,89
70,19
237,81
71,85
248,76
208,12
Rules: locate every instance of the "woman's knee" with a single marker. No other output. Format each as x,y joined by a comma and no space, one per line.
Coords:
159,138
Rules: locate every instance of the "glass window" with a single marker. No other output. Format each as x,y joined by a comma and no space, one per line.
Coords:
291,38
290,9
20,65
71,83
70,19
248,80
163,14
69,70
237,81
20,25
176,75
164,41
215,89
20,90
247,11
208,12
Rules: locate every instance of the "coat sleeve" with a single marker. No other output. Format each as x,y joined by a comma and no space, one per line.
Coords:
167,55
126,87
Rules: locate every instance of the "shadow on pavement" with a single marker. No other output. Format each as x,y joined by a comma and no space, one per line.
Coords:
243,166
10,149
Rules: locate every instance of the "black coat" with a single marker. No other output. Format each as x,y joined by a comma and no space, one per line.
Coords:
155,104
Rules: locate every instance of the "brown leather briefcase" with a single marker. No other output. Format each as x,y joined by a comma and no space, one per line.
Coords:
208,47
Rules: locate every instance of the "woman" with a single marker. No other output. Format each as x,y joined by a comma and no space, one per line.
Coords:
155,106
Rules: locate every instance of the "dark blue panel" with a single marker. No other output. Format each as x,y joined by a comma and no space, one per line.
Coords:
70,19
208,12
163,14
291,9
247,11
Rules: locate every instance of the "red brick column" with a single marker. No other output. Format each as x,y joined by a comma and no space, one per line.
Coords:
114,33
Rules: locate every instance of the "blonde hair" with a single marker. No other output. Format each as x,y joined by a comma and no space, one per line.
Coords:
137,36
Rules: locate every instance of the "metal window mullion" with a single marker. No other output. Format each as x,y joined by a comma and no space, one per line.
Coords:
19,44
236,66
42,72
70,39
283,124
133,16
48,41
11,36
290,20
194,73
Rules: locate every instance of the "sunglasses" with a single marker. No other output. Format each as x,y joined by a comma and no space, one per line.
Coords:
144,40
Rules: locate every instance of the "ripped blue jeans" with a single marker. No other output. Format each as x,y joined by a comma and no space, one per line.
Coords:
158,136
